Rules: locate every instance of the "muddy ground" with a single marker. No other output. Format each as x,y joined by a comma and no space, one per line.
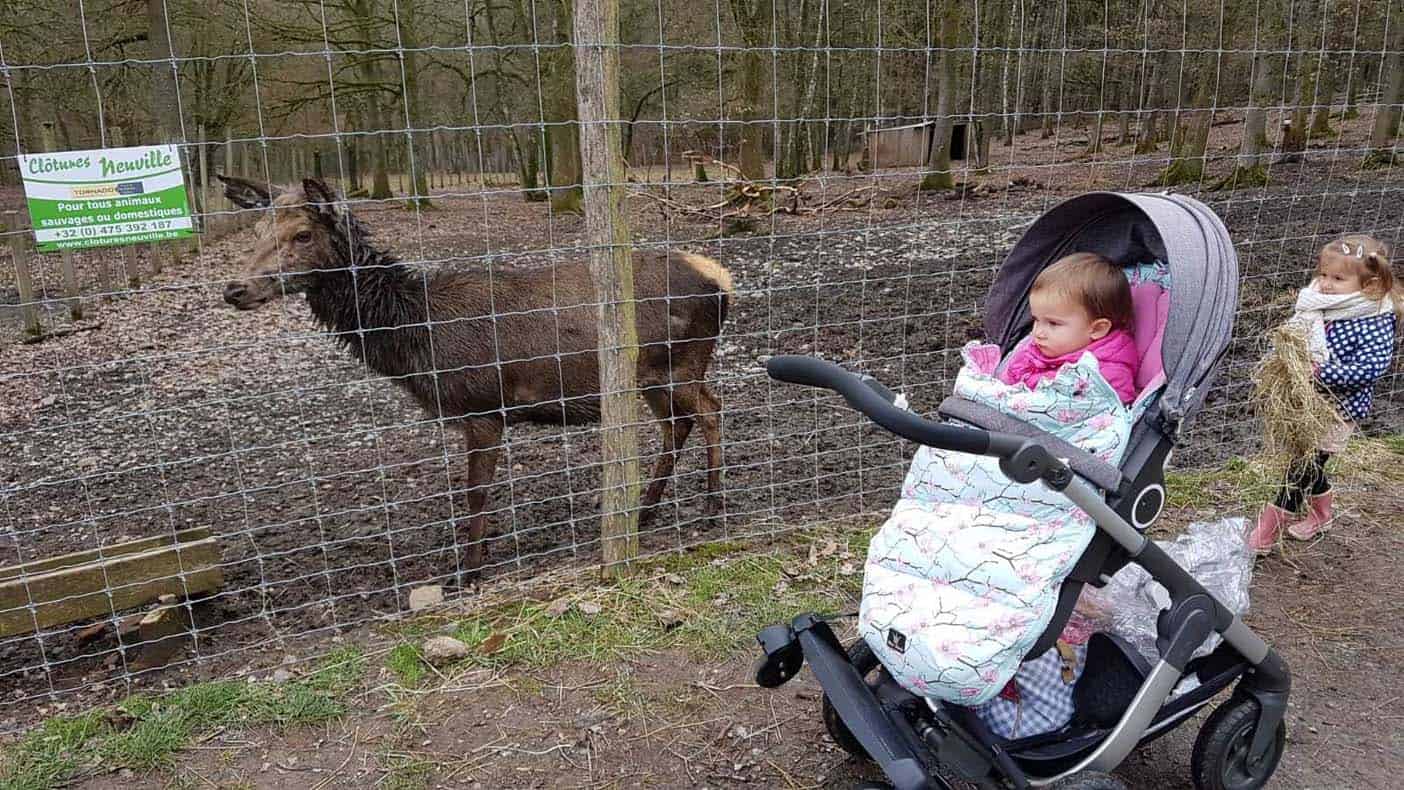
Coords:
334,496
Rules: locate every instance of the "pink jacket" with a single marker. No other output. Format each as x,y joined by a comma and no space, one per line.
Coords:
1116,359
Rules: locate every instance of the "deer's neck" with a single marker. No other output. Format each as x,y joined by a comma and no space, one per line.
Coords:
376,307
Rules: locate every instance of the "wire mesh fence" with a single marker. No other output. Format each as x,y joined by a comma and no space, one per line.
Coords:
853,173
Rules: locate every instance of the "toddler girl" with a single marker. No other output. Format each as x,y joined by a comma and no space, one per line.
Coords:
1350,311
1082,303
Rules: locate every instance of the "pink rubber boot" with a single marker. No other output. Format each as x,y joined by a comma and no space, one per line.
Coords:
1318,520
1264,535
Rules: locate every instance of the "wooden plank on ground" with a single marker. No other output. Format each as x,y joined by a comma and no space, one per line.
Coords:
36,567
100,588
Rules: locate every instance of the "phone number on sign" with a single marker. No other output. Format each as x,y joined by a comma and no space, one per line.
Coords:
120,229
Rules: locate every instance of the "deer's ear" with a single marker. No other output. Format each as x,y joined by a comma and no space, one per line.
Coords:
319,195
244,194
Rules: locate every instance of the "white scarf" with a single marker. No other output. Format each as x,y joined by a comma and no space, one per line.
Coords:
1314,309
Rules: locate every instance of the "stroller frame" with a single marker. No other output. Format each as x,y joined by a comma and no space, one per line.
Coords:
910,739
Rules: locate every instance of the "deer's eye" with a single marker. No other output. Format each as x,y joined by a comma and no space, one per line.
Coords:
303,236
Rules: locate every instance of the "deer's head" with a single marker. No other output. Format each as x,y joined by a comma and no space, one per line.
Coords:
292,242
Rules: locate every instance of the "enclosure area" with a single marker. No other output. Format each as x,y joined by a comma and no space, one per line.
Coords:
857,169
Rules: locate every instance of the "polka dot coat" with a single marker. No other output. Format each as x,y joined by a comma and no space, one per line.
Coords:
1361,352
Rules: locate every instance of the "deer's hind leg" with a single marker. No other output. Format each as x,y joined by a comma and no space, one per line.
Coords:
708,415
484,439
674,425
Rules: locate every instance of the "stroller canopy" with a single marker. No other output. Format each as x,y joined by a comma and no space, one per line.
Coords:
1134,228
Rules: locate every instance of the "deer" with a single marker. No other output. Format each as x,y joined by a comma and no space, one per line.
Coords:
486,348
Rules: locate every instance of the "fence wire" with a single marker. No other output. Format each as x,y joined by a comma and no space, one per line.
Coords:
860,170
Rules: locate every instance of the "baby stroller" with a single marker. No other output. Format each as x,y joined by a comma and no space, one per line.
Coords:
1121,699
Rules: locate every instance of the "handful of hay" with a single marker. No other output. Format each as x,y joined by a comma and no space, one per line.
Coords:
1297,414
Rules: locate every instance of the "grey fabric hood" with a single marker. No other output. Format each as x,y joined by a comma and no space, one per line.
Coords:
1128,228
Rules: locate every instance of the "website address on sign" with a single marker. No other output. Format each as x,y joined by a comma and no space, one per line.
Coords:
105,241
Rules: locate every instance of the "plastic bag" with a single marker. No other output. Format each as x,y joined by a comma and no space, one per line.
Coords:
1215,553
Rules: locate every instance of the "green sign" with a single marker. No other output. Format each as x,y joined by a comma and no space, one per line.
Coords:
108,197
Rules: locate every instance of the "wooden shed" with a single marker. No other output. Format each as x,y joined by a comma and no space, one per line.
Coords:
910,144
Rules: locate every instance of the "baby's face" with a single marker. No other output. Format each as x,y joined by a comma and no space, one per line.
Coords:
1061,325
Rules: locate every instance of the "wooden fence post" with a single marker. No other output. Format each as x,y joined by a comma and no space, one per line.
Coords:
612,269
129,264
230,221
70,276
29,311
205,202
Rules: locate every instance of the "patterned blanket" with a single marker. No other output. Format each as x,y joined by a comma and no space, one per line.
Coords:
964,575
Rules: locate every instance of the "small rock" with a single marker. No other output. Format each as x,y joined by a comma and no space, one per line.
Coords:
282,675
444,649
425,597
92,632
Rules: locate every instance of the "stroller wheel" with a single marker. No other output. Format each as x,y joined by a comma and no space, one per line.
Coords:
1089,780
1220,757
862,658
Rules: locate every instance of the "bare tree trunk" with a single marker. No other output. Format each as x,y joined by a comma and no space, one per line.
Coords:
1146,136
938,163
562,135
165,104
1326,94
416,156
1251,168
611,267
526,154
1294,133
1052,62
16,86
380,147
1006,116
363,12
1188,164
793,156
1094,140
1189,150
985,103
1387,112
755,20
1016,124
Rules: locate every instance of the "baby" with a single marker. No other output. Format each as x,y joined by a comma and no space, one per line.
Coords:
1082,303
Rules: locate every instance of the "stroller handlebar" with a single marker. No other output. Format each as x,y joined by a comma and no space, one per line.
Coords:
1022,460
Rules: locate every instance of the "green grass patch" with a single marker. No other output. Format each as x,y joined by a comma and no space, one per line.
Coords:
145,733
1248,483
406,773
707,601
405,663
1239,483
50,754
1394,443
